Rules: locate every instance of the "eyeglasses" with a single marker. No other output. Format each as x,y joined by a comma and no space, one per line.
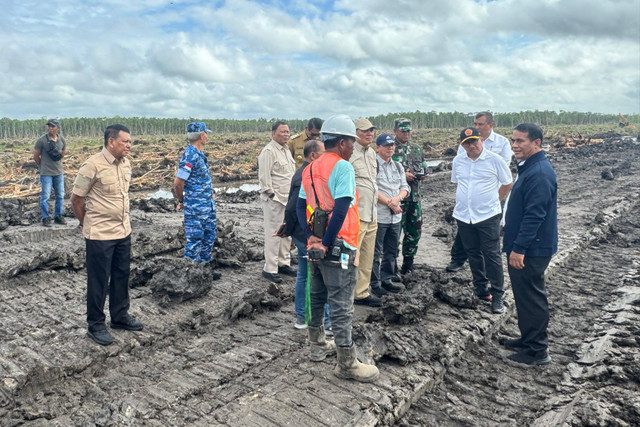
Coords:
315,135
476,124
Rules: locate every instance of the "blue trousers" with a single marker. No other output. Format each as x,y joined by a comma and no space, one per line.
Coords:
46,181
301,283
201,234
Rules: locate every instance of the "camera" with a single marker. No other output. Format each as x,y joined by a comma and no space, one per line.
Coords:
315,254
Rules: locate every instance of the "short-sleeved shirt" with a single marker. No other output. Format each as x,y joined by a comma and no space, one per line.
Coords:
104,183
49,167
391,180
198,191
275,170
341,183
495,143
364,163
478,182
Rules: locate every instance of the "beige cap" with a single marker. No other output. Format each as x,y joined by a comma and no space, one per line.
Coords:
363,124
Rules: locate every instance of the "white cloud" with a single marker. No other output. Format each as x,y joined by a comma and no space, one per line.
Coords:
296,59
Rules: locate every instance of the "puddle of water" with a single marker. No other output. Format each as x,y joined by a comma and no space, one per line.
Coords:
161,194
244,187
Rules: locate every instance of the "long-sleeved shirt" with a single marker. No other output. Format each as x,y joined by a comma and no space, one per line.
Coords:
275,170
363,161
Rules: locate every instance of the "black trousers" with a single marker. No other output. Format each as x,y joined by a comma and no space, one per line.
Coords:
532,306
458,254
385,253
482,243
107,269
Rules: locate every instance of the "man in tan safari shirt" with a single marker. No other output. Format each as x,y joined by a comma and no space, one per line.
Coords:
275,170
296,143
100,201
365,166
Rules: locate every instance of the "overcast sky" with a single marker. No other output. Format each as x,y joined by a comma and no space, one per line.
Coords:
302,58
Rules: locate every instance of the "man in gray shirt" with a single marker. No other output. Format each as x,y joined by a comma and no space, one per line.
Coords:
48,152
392,188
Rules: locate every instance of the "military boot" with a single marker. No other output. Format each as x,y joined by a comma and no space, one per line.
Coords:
407,265
350,368
320,347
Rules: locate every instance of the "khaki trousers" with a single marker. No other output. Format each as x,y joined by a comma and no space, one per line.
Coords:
366,246
277,250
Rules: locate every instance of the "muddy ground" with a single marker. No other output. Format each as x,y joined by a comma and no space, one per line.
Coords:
225,352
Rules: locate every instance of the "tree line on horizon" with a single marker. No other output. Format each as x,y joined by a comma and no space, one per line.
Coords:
94,126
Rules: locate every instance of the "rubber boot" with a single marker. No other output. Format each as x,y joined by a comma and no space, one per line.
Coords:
407,265
320,347
351,369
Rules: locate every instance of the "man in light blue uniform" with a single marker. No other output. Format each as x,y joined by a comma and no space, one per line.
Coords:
194,192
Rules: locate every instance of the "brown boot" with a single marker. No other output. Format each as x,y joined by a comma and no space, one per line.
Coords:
350,368
320,347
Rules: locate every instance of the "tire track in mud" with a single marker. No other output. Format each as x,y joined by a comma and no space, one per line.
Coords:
594,334
192,366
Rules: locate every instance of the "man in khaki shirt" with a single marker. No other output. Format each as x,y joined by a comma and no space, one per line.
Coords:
275,170
296,143
365,165
100,201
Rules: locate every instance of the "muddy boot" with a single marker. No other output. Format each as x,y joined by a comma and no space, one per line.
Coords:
350,368
407,265
320,347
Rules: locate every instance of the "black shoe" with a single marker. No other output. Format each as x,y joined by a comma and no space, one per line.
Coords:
379,291
407,265
396,278
101,336
529,357
497,306
60,220
371,301
394,289
272,277
455,266
287,271
128,323
511,343
46,222
215,275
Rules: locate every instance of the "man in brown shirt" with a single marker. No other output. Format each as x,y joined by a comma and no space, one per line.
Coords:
275,170
100,201
296,143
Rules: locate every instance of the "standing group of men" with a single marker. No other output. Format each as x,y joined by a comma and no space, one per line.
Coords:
344,207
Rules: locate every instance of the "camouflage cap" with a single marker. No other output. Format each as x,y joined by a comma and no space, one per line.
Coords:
53,122
402,124
198,127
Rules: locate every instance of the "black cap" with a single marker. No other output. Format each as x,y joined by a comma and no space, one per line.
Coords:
469,134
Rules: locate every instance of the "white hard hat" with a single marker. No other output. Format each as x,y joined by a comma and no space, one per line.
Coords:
338,125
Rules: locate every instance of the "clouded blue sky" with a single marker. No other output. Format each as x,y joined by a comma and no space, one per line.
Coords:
297,59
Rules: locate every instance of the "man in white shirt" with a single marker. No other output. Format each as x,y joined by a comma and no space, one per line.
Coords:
493,142
483,179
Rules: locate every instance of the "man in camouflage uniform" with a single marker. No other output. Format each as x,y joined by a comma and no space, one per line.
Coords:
411,158
194,192
296,143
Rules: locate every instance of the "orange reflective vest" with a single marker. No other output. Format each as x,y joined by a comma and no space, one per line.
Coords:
322,168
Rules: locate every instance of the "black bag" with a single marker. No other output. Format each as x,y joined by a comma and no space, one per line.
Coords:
319,218
53,152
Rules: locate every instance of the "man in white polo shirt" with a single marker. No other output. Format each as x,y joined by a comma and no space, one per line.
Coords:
483,180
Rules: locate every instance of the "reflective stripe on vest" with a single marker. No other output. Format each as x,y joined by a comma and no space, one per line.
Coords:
322,168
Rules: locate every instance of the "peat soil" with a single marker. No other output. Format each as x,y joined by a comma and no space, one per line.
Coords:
225,352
